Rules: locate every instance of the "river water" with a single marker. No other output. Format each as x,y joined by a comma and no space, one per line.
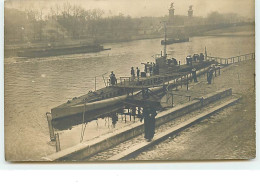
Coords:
34,86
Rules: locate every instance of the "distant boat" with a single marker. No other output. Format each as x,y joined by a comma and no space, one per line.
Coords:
172,41
56,51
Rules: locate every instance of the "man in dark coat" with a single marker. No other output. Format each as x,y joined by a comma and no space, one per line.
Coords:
137,72
210,75
132,73
194,74
149,114
113,79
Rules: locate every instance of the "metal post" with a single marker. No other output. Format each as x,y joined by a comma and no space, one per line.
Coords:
104,80
172,99
57,138
163,80
95,83
187,83
51,130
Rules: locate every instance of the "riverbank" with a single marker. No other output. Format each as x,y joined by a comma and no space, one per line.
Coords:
11,50
244,30
230,134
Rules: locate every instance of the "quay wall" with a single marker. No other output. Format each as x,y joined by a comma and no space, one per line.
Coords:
89,148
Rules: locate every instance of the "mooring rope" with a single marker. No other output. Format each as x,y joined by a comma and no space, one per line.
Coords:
83,127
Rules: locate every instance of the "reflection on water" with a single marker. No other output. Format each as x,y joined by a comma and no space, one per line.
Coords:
34,86
73,129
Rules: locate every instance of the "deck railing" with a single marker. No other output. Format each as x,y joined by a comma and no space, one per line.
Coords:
150,81
230,60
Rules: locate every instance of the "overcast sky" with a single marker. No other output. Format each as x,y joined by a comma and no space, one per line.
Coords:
140,8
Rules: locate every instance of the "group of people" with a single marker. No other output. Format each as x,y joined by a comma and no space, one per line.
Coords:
133,73
196,57
210,74
173,61
151,68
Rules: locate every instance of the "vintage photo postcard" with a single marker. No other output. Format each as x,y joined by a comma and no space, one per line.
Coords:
121,80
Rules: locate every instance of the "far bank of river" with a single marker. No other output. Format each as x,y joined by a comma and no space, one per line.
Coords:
12,50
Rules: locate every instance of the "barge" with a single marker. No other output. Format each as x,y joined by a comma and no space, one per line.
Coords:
56,51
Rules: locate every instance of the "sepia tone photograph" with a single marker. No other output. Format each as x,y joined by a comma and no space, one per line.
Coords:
129,81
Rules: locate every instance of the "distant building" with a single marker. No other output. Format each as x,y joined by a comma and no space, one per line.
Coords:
190,12
171,14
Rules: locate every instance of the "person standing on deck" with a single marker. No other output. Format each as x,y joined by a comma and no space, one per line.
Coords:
137,73
145,68
151,69
156,69
132,73
113,80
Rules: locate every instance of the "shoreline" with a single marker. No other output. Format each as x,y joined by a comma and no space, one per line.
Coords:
12,50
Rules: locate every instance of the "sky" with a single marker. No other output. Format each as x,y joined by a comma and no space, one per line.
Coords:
142,8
